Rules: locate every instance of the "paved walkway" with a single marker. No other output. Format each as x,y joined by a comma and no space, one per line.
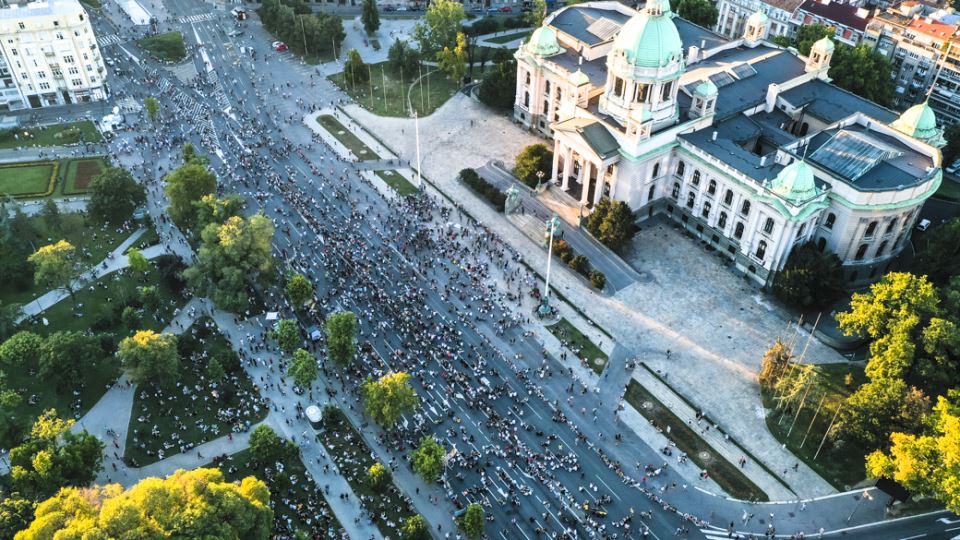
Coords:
39,153
67,205
484,40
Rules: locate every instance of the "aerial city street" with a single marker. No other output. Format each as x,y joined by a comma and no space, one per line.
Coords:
496,269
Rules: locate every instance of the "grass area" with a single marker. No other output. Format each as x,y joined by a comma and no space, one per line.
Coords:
724,473
31,179
78,174
949,190
397,181
347,138
51,135
197,408
166,47
353,458
292,501
580,344
507,38
95,4
386,94
841,465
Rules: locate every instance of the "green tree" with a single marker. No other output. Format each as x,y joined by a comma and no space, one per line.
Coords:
415,528
611,222
377,475
452,60
137,262
808,34
427,459
499,87
287,335
51,215
186,185
53,457
439,26
114,195
809,279
341,333
21,350
189,155
952,150
940,258
233,257
55,265
211,209
370,16
12,424
215,370
265,445
303,368
473,521
389,397
403,59
8,318
534,17
863,71
880,407
16,513
299,289
187,504
535,158
354,70
149,357
702,12
152,106
65,357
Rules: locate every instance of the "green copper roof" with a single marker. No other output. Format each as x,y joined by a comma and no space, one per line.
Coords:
919,122
825,44
758,18
544,42
706,88
795,182
650,39
579,78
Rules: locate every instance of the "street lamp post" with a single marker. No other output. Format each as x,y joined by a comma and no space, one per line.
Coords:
553,225
539,180
416,128
866,495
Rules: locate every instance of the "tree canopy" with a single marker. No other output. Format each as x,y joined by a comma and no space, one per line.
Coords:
702,12
149,357
303,368
389,397
266,446
427,459
473,521
21,350
810,278
452,60
304,31
354,70
370,16
341,333
287,335
299,289
439,26
939,259
611,222
403,59
499,86
53,457
65,355
152,106
186,185
55,265
531,160
187,504
114,195
952,150
212,209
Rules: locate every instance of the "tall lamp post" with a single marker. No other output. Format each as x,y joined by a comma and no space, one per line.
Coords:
539,180
553,225
865,496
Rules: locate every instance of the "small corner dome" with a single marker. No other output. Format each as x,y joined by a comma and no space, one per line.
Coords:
795,182
706,88
824,44
579,78
650,39
918,121
759,18
544,42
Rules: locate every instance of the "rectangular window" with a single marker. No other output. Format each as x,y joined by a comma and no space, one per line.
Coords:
68,59
667,90
618,87
44,86
640,95
76,82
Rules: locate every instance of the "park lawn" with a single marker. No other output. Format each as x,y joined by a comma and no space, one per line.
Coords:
347,138
189,413
507,38
386,94
580,344
167,47
80,131
33,179
727,475
398,182
95,4
353,458
92,241
842,466
78,173
949,190
290,485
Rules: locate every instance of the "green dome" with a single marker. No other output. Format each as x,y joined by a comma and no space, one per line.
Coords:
825,44
706,88
759,18
919,122
544,42
579,78
795,182
650,39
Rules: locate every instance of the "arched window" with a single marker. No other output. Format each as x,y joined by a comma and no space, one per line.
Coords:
712,187
761,249
653,188
831,219
738,230
722,220
728,197
822,244
768,226
546,106
656,169
526,100
676,190
745,209
861,251
871,229
681,167
705,212
801,230
528,78
890,225
691,198
696,178
881,248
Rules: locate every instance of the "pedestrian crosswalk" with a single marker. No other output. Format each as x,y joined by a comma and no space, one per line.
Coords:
108,39
197,18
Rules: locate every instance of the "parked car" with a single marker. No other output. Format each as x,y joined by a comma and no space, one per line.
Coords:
235,33
505,9
389,8
279,46
923,225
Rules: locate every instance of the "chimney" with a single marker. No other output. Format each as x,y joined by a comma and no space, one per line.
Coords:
714,136
763,161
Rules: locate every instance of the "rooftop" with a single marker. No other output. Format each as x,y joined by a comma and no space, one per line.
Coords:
844,14
830,103
933,28
732,135
44,8
581,22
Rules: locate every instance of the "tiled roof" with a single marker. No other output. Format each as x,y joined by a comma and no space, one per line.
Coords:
836,12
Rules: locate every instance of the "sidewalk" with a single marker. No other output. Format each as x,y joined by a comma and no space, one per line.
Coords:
67,205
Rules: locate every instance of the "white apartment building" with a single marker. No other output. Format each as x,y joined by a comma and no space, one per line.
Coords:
48,56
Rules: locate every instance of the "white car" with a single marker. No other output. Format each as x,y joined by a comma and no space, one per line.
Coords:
923,225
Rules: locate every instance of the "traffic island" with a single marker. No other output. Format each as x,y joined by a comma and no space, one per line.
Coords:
347,138
573,339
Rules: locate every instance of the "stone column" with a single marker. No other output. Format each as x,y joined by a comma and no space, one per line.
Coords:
585,182
567,167
556,162
601,181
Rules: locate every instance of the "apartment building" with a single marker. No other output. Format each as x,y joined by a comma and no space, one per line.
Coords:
48,55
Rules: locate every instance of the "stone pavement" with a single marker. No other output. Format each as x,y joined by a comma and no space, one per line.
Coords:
67,205
39,153
483,40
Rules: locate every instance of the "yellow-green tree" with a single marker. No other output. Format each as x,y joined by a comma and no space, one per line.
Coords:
377,474
427,459
453,60
137,261
341,334
439,26
55,265
299,289
149,357
303,368
389,397
188,504
186,185
473,521
53,457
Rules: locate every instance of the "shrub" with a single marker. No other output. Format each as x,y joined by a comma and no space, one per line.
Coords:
482,187
598,279
580,264
562,248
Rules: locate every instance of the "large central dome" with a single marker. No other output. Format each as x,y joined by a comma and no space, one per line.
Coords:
650,39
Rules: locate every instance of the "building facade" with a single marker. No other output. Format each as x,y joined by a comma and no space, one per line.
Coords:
745,144
49,56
